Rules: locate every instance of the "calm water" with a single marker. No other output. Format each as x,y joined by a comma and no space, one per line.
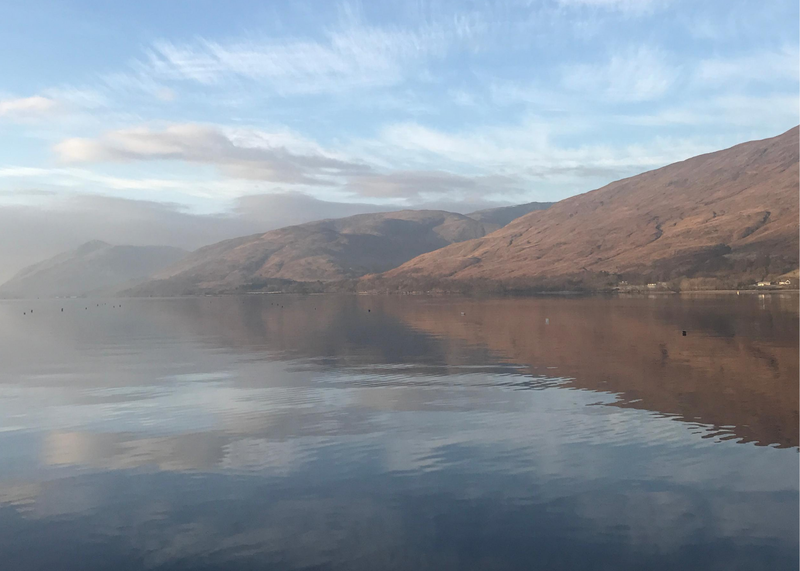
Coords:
367,433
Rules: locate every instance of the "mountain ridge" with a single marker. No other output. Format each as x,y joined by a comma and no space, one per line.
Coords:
504,215
323,251
91,268
727,217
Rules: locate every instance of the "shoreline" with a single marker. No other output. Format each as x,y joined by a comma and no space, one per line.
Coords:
563,293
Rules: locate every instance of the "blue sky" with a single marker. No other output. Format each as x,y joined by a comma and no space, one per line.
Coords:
197,104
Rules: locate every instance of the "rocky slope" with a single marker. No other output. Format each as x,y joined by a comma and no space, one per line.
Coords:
717,220
93,268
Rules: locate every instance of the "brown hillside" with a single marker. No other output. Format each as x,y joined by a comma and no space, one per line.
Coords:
495,218
731,215
327,250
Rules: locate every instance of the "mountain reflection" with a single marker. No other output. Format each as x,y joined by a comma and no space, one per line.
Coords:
359,432
735,370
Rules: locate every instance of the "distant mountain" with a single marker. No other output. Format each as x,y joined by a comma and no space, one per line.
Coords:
327,250
503,215
95,267
716,220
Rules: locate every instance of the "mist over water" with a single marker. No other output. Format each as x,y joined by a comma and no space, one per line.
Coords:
369,432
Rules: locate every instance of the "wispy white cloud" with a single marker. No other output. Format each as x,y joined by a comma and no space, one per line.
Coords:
73,178
434,184
743,22
639,74
27,107
78,97
762,67
138,80
354,56
208,145
772,111
516,160
253,155
407,161
627,6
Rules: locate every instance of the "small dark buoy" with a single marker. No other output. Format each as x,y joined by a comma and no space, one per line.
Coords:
369,311
31,311
24,313
684,333
62,310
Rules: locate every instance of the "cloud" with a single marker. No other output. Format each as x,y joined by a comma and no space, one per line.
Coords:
166,94
577,170
208,145
84,180
355,55
771,112
338,55
411,184
639,74
27,107
78,97
529,148
764,67
401,164
482,150
463,98
627,6
741,22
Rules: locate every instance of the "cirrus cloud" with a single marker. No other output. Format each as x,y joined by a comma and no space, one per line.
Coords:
639,74
354,55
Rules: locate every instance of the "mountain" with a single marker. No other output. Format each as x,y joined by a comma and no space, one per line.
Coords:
327,250
717,220
94,267
503,215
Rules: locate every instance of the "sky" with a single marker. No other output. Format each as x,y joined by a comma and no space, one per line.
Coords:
183,122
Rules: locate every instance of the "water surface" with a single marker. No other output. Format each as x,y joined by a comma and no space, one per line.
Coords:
363,432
